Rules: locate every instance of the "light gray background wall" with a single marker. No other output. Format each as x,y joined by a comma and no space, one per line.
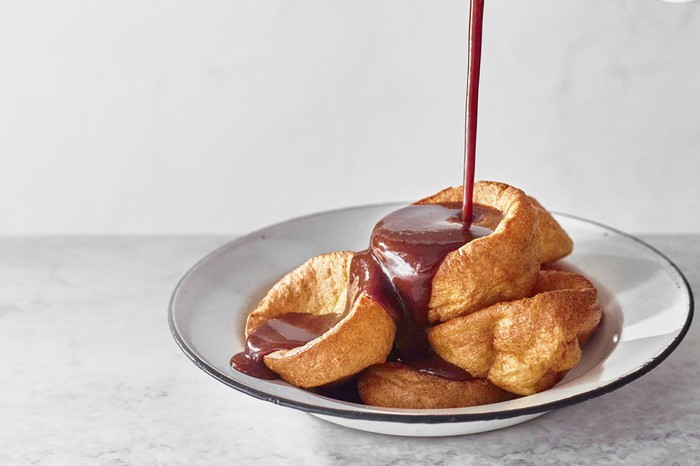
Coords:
223,116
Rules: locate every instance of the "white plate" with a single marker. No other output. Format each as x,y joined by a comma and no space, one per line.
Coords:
646,300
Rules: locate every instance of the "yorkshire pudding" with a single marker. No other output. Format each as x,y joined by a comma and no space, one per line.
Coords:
524,346
555,242
498,267
363,335
394,385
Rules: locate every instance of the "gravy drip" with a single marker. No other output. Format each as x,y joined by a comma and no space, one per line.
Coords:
284,332
406,249
476,20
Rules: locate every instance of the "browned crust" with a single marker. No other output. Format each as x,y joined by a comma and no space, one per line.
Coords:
498,267
556,243
524,346
318,287
363,338
394,385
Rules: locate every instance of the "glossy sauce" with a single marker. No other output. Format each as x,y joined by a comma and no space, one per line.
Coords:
406,250
476,17
284,332
408,246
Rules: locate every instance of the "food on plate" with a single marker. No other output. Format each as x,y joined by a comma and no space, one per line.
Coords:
394,385
348,337
500,266
526,345
436,313
555,242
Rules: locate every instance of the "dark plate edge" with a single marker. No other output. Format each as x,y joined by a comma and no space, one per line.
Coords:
411,418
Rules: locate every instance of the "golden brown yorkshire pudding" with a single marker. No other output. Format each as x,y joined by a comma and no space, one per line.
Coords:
555,242
362,337
524,346
498,267
394,385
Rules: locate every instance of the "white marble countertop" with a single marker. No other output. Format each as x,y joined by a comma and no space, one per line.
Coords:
91,375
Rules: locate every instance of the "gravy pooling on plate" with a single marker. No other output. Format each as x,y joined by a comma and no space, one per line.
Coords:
406,248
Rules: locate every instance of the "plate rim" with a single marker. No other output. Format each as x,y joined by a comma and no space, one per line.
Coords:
415,416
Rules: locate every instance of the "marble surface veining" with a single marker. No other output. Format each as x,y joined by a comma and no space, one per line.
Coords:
91,376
